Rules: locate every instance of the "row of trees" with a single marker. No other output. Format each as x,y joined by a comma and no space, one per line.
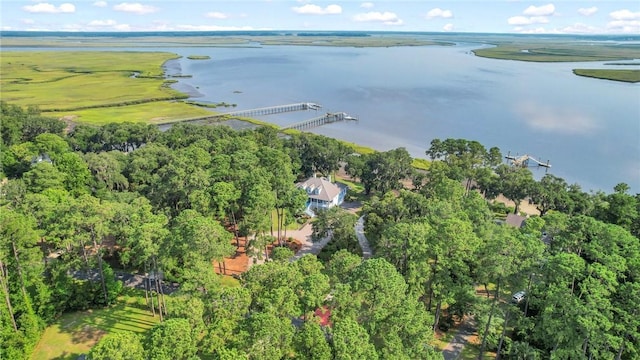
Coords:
372,315
75,206
442,238
128,196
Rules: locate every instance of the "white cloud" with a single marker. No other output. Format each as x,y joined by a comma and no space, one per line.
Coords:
100,3
28,21
102,23
311,9
579,28
551,119
439,13
448,27
544,10
367,5
523,20
624,26
72,27
624,15
67,8
49,8
387,18
216,15
135,8
540,30
624,21
122,27
588,11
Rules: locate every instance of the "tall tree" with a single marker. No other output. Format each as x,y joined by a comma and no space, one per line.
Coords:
310,342
118,346
550,193
384,170
172,339
196,239
515,183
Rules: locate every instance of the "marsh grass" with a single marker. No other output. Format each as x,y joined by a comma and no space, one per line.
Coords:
74,80
632,76
152,113
347,41
545,51
198,57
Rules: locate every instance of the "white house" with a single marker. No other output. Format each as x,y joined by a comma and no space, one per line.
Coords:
322,193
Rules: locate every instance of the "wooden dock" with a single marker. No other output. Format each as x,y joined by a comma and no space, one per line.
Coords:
327,118
278,109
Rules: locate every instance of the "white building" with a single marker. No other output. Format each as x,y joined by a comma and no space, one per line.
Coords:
322,193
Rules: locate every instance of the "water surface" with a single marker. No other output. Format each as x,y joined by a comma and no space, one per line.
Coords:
588,129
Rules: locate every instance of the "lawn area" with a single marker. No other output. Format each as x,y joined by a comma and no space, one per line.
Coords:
75,333
421,164
274,223
472,349
151,113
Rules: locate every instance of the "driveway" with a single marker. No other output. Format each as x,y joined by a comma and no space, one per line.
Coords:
453,350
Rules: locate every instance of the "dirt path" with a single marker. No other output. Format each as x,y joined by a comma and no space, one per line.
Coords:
466,330
362,239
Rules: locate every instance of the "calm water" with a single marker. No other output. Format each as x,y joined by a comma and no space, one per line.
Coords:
406,96
588,129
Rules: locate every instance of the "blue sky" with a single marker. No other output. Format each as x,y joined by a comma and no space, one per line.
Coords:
500,16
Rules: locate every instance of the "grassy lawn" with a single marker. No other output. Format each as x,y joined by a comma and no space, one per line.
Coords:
471,351
156,112
229,281
421,164
274,223
75,333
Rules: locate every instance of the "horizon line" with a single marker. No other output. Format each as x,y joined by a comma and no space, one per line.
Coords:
346,32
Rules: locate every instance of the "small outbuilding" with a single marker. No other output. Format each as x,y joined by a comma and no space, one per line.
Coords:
515,220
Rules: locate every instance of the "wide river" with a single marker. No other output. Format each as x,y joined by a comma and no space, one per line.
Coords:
588,129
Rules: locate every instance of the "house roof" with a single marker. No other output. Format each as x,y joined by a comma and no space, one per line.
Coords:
515,220
327,190
324,315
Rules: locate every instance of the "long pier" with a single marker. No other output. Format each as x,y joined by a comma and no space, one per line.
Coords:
252,112
274,110
327,118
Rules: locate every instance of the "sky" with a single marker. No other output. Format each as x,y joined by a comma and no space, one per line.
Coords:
498,16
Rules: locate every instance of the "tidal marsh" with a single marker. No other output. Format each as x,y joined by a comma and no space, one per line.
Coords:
93,87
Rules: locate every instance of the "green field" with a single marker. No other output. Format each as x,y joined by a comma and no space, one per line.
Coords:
632,76
75,333
93,87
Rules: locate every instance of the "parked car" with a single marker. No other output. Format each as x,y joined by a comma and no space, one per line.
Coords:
518,297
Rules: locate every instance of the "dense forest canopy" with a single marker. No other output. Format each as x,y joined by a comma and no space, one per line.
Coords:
76,207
